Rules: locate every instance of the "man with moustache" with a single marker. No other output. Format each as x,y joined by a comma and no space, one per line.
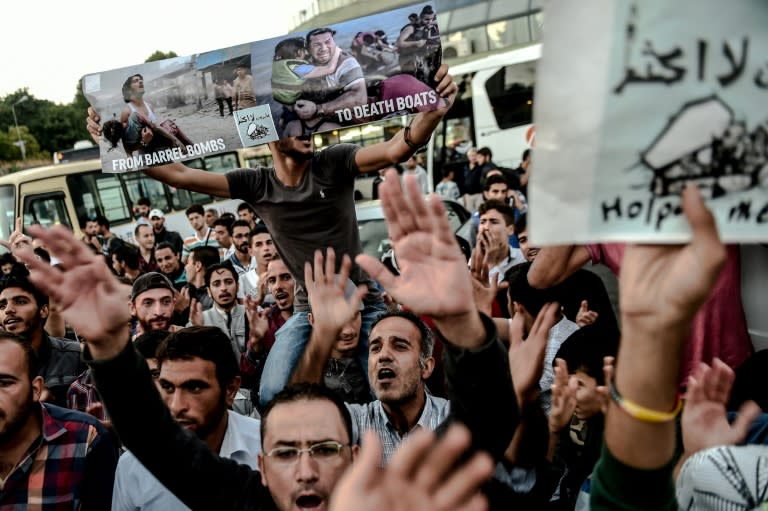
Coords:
226,313
50,458
24,311
162,234
198,381
152,301
241,259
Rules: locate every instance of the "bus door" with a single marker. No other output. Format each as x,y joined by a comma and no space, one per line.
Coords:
46,209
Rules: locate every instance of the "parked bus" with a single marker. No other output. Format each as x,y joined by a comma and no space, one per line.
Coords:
494,108
70,193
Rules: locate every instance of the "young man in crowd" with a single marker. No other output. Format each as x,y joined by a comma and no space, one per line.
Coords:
246,212
495,187
141,210
125,262
50,457
24,310
151,303
146,241
242,260
203,235
226,314
326,212
211,215
162,234
111,241
497,224
198,381
169,264
199,260
262,250
91,235
222,230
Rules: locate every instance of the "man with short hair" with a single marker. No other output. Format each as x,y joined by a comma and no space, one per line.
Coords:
497,224
50,457
169,263
242,260
262,250
198,380
246,212
343,87
125,262
485,161
203,235
222,230
111,241
146,240
211,215
152,301
162,234
141,210
91,234
495,187
199,260
226,314
24,310
412,168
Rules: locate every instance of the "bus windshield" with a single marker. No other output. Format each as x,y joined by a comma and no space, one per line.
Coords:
7,208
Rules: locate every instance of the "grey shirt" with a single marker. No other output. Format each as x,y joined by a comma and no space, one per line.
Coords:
317,213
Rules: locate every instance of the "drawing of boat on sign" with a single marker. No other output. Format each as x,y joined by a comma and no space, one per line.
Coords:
703,144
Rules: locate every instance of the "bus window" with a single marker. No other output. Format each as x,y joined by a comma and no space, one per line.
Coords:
46,210
510,91
221,163
7,210
182,199
97,193
140,185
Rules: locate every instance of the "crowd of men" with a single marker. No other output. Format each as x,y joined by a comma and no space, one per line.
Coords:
266,363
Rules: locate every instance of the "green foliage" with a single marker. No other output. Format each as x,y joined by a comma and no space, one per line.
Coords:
160,55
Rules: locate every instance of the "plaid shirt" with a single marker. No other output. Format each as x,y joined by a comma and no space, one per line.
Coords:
82,394
372,416
71,464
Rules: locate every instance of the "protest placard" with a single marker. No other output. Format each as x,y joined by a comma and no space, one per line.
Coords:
327,78
635,99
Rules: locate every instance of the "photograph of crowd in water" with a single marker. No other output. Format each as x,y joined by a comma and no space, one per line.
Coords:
329,77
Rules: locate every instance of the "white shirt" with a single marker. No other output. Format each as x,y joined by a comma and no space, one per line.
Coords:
136,488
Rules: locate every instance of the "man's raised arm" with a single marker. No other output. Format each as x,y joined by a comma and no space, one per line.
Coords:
555,264
405,143
177,175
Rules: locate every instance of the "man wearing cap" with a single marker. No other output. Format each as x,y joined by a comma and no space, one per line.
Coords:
163,235
152,301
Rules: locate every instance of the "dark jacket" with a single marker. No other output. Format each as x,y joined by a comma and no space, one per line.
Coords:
480,388
60,365
171,237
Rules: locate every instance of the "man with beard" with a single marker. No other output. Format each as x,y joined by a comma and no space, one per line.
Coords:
319,200
198,381
241,260
24,311
152,301
262,250
49,457
226,314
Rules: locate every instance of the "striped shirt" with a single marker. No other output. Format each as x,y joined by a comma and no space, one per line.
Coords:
372,416
192,242
70,465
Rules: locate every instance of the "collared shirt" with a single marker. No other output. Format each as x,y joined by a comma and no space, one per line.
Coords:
372,416
136,488
557,336
70,465
239,268
514,258
82,394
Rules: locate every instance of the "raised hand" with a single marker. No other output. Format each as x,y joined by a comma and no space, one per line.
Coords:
195,313
17,240
484,289
182,299
433,279
704,421
258,321
585,316
89,297
563,398
331,310
425,473
93,126
662,286
526,357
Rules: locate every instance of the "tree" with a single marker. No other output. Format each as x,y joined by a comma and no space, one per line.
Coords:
159,55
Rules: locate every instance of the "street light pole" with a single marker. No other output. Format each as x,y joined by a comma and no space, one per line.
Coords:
20,143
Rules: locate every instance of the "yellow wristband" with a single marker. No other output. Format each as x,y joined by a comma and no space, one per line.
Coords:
642,413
